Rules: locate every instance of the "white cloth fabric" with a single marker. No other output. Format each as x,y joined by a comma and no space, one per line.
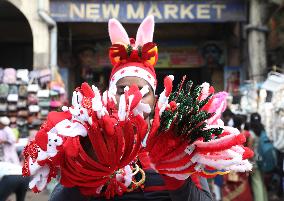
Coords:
7,168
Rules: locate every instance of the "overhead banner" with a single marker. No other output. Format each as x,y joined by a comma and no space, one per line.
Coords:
164,11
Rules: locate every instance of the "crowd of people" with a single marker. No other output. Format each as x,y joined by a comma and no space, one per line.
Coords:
264,182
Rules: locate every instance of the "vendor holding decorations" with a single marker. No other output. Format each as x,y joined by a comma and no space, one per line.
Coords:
105,147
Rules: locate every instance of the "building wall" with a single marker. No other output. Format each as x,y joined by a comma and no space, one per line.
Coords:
41,40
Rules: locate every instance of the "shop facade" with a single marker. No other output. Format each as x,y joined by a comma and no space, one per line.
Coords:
202,39
25,36
28,87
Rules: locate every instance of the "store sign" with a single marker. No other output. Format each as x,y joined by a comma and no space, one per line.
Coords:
135,11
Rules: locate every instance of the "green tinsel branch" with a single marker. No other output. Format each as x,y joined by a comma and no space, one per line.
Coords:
188,120
129,49
139,51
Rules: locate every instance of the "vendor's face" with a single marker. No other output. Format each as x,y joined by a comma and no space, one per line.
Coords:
149,98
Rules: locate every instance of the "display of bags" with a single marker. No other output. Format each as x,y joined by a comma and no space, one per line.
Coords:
4,90
43,93
33,88
12,113
44,112
1,74
36,122
23,91
13,97
43,103
12,107
34,108
22,103
55,103
13,93
23,100
21,121
23,113
9,76
32,99
45,75
3,106
23,75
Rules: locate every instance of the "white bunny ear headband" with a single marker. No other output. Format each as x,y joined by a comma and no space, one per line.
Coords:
133,58
144,34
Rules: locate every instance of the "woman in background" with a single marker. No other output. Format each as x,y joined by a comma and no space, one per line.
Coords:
11,179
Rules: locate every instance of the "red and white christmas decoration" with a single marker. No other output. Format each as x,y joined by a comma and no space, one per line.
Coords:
96,145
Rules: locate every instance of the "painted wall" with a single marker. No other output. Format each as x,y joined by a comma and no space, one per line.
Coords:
39,30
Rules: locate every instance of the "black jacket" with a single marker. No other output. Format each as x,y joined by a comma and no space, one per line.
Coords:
186,193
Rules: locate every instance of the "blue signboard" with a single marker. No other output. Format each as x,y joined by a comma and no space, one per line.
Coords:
164,11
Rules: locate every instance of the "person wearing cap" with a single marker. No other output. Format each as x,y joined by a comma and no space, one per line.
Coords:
11,180
105,146
123,75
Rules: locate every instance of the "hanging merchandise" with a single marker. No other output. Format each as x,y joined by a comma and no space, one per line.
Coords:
23,113
278,130
249,99
23,75
22,103
44,103
34,108
43,113
21,121
33,88
274,82
10,76
13,93
25,99
43,93
1,74
271,111
3,107
12,107
23,91
57,84
44,76
57,91
4,90
32,99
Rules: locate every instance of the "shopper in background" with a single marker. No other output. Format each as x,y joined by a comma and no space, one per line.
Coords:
11,179
227,118
267,159
236,185
257,184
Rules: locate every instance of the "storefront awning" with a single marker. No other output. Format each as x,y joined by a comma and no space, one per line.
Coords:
214,11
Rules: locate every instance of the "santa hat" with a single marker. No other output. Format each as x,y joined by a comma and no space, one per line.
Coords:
132,57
